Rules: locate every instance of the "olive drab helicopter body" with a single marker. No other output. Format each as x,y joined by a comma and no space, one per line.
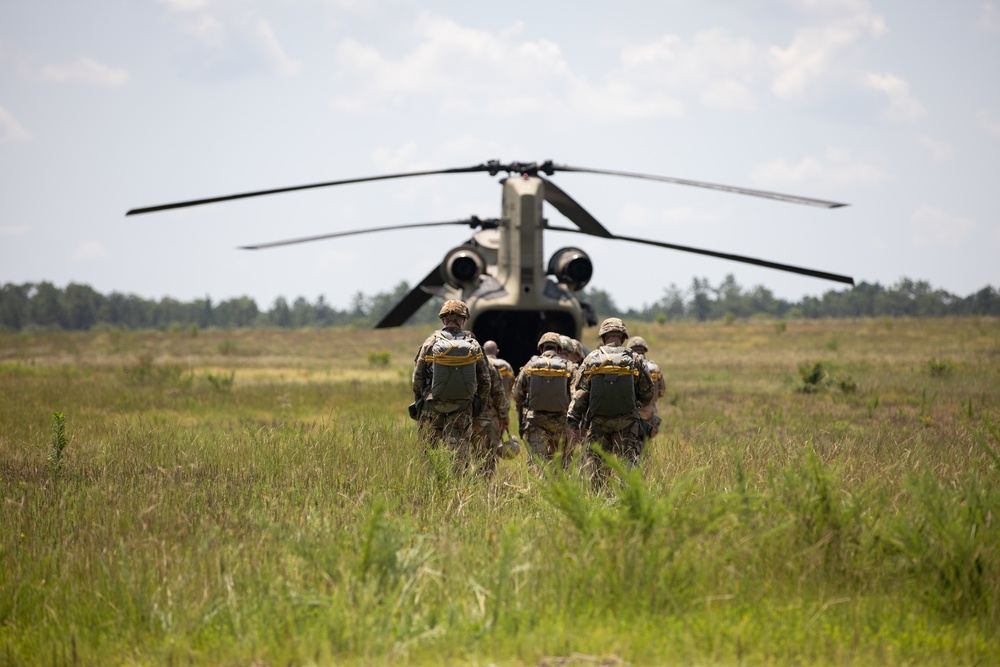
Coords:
500,271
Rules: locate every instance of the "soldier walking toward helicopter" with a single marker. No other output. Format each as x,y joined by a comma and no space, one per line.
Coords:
504,448
648,412
451,385
613,384
541,396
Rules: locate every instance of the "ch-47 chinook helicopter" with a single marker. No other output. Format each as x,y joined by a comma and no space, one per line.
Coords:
513,296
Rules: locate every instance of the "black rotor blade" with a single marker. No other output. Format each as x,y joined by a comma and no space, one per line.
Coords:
794,199
259,193
411,303
736,258
571,209
470,222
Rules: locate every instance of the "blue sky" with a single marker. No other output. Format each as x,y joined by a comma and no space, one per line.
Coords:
108,105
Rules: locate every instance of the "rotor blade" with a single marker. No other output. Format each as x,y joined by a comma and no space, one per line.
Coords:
794,199
571,209
736,258
470,222
411,303
260,193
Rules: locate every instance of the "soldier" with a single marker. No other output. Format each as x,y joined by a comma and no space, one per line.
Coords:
541,395
605,405
508,448
492,352
451,384
648,412
488,427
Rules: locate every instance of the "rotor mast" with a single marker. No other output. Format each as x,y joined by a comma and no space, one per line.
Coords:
520,261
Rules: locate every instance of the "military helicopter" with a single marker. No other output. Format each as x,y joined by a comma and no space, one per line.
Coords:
513,296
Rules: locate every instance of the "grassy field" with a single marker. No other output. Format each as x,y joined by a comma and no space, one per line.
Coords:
821,493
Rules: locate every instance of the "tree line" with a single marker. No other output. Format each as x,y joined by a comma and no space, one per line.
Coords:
45,307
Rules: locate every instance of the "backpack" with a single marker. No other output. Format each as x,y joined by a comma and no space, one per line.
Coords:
548,384
612,374
453,366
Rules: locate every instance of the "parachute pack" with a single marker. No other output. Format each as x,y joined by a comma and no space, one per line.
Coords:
453,366
548,384
612,374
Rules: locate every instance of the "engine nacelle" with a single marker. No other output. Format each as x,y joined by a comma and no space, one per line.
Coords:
571,267
462,267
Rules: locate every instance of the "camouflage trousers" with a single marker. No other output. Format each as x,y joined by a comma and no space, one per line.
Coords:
546,435
454,431
486,439
626,444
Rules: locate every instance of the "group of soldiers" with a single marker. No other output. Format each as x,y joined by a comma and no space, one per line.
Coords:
566,401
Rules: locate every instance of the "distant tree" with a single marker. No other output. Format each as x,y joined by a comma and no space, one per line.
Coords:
280,314
15,306
48,308
82,306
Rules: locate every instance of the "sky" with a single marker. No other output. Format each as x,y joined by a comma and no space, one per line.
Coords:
107,105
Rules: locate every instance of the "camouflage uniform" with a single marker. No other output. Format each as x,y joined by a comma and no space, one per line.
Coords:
622,435
488,427
543,430
648,412
506,372
449,421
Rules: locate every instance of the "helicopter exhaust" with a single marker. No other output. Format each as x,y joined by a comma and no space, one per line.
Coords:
571,267
462,267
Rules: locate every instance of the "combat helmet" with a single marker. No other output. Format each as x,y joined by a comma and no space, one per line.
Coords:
566,344
549,338
454,307
612,325
637,341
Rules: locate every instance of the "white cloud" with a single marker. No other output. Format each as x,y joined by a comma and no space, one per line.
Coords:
207,30
87,71
88,250
989,123
456,68
836,169
933,226
184,5
903,106
276,55
939,150
819,54
13,231
989,18
642,218
11,129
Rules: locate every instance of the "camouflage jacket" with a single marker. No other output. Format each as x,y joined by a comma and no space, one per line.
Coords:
422,371
521,385
498,406
506,372
660,386
579,407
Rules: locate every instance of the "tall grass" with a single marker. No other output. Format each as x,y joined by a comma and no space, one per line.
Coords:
294,518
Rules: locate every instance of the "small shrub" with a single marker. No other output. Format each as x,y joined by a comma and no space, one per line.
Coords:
780,327
226,347
379,358
814,376
221,382
939,368
847,385
58,443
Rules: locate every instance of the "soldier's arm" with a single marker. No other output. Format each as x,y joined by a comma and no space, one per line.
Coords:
420,371
661,386
644,389
483,381
579,401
